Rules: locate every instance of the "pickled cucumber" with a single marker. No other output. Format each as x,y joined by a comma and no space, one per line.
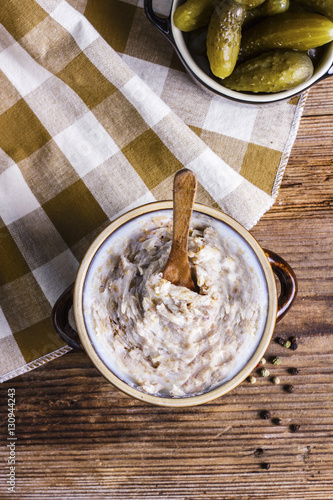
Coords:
324,7
268,8
299,31
224,37
271,72
193,14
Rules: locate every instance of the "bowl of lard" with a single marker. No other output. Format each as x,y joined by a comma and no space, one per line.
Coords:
162,343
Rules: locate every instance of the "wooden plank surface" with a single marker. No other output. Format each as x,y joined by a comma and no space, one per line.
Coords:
77,437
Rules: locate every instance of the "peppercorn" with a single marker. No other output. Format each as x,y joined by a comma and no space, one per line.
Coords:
293,340
252,379
264,372
276,361
294,346
265,414
287,344
290,388
266,466
276,380
277,421
295,427
294,371
279,340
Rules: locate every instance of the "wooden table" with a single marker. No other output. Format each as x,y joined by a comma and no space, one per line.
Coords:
78,437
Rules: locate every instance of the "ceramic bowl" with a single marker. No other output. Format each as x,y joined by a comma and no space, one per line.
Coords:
198,67
269,264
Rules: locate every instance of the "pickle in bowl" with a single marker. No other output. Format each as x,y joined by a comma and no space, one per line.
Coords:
266,9
298,31
271,72
193,14
224,37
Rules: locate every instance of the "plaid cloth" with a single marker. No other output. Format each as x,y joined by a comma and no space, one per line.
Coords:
96,116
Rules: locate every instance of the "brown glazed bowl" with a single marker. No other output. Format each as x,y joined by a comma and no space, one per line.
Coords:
269,263
198,67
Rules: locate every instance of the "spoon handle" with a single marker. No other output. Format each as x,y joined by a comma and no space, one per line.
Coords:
184,191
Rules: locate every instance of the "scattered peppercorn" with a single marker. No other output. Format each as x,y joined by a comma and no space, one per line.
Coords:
295,427
276,380
264,372
252,379
266,466
287,344
294,371
290,388
294,346
293,340
277,421
279,340
276,361
265,414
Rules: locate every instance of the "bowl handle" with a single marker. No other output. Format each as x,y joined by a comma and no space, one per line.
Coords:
162,23
287,280
60,319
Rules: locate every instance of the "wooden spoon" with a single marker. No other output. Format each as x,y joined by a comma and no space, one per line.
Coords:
177,269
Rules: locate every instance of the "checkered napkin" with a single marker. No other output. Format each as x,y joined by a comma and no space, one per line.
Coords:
96,116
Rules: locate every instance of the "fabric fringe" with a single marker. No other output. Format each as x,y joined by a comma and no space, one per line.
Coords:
289,144
35,364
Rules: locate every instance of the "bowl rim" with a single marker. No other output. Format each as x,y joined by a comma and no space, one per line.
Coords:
107,372
177,39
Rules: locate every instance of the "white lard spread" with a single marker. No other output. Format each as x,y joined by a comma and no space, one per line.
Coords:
164,339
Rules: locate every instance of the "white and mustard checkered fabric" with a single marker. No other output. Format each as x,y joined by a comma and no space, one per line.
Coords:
96,116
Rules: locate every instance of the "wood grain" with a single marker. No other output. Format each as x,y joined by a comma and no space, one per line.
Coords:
78,437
